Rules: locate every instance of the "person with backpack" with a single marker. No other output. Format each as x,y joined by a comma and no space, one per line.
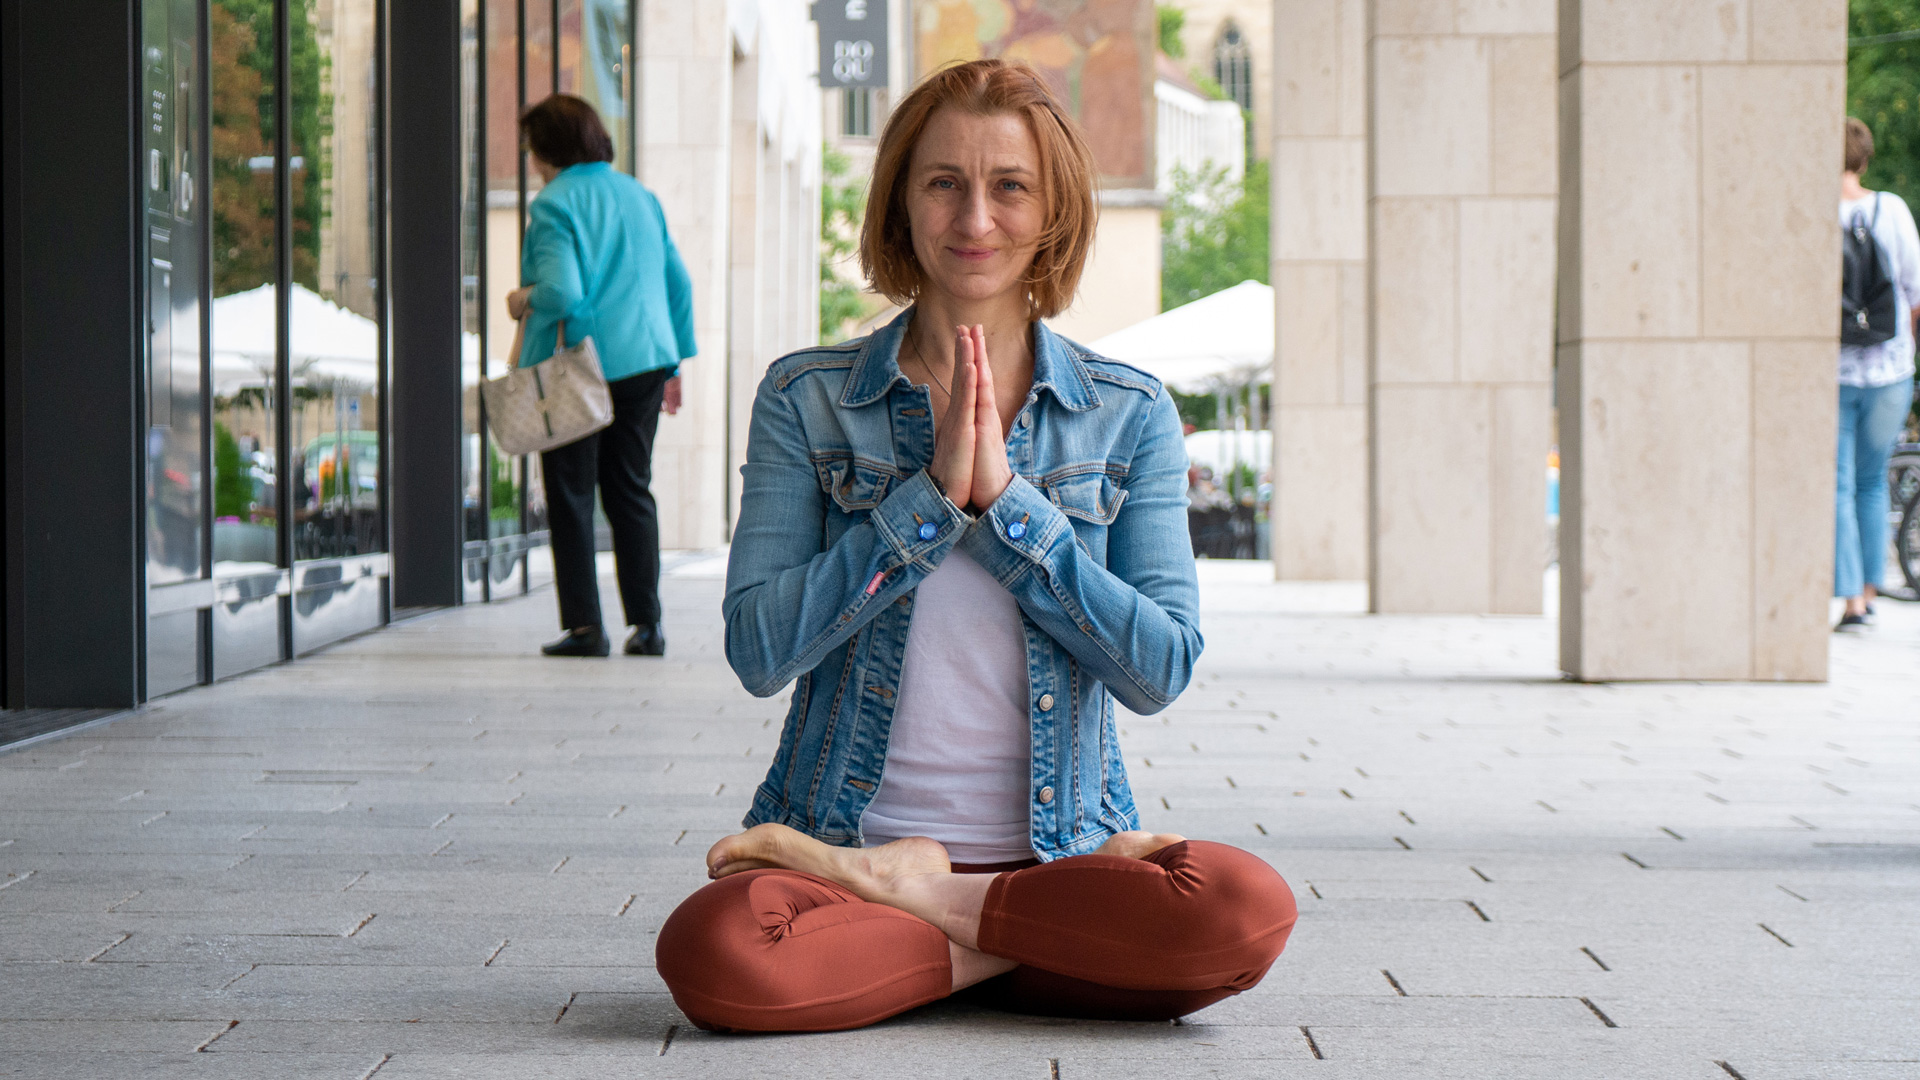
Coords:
1880,285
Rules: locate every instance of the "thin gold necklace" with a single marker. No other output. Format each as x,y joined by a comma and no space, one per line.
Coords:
932,379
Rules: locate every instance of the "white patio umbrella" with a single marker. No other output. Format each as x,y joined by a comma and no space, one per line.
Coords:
1217,342
329,343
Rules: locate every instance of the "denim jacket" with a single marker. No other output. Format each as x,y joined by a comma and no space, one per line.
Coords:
839,521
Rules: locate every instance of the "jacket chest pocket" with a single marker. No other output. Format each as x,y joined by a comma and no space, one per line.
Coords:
855,486
1092,498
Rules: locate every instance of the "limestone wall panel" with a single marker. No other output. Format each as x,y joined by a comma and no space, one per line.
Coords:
1769,234
1799,30
1506,290
1639,218
1415,259
1433,122
1525,120
1307,87
1432,521
1672,31
1521,424
1308,299
1320,493
1666,510
1793,446
1322,199
1505,16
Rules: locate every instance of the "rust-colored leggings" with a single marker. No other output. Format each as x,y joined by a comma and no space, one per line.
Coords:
1096,936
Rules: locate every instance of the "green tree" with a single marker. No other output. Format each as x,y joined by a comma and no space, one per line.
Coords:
232,481
1213,234
843,206
1883,89
1171,20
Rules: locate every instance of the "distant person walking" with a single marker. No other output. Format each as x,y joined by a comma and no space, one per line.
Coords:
1878,323
597,262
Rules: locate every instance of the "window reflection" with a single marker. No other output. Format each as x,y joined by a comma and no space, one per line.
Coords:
333,328
243,313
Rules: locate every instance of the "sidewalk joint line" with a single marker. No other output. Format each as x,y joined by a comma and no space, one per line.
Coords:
1776,934
13,880
1312,1046
215,1037
1634,861
1671,833
1261,828
1477,911
1604,1018
1791,893
123,937
251,968
1393,982
377,1066
1730,1070
496,952
668,1040
561,863
122,900
1595,959
1053,1069
357,879
1315,890
568,1005
631,897
357,927
1481,876
1403,843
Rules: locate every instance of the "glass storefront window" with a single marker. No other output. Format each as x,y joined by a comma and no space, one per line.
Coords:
334,313
245,298
175,457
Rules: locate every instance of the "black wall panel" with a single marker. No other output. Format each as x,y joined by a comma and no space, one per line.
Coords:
424,230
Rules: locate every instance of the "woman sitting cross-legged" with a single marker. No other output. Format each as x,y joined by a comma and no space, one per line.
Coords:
956,538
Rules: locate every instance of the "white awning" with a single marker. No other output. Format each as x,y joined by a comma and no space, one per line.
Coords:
1217,342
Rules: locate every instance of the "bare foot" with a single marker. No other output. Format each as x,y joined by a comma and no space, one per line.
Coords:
874,873
1137,844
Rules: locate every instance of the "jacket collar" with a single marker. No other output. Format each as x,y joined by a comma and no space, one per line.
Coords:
1057,367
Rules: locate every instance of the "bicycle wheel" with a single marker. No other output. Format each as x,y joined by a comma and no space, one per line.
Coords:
1906,543
1903,473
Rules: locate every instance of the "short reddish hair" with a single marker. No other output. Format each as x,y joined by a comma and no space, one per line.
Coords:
985,88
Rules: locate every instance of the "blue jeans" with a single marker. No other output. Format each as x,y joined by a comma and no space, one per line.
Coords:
1870,419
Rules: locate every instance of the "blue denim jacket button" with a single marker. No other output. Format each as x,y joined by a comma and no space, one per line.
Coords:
1016,530
928,530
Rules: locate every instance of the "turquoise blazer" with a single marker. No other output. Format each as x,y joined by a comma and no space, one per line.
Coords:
600,261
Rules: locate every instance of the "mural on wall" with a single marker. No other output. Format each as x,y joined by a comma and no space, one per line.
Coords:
1097,55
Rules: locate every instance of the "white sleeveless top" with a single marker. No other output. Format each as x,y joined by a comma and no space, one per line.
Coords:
959,758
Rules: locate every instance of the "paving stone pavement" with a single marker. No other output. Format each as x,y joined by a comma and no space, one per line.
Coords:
430,853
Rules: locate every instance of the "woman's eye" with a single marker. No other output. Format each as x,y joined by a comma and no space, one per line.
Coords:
1012,185
944,184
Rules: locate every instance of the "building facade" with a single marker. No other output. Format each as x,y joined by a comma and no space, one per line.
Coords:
255,274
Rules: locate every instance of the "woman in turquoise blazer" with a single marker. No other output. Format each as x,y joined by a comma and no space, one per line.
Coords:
597,262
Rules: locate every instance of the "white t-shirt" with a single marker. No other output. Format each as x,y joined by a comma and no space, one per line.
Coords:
1891,360
959,757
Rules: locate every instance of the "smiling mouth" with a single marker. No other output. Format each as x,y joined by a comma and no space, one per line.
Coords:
971,254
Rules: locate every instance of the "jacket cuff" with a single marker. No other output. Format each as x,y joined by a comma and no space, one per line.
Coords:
1017,532
918,522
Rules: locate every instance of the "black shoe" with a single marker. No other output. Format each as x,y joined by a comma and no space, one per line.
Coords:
1851,624
591,642
647,641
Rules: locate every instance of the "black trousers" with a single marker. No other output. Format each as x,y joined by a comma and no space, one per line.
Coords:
619,459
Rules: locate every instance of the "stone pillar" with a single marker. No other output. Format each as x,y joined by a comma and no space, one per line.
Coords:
1461,213
1699,283
686,74
1319,269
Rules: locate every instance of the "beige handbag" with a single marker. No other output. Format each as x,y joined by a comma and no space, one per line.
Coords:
557,401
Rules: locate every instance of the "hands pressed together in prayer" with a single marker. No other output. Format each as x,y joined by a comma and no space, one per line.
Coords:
969,442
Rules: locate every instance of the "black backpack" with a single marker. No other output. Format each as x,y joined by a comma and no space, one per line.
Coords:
1867,298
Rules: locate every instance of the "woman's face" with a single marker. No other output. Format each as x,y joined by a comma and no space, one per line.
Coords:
974,203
